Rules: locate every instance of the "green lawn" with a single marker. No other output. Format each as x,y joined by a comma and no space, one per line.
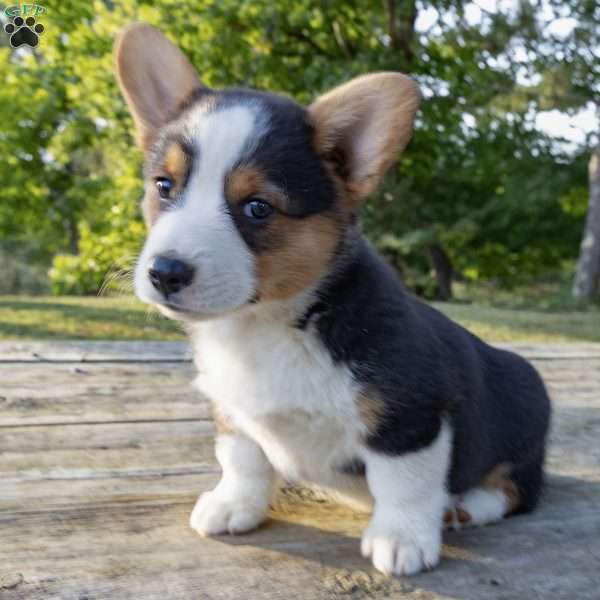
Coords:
124,318
518,325
82,318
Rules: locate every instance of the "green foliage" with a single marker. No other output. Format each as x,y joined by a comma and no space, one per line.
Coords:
478,180
99,255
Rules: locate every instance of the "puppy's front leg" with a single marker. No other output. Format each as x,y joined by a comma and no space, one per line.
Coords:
409,492
241,499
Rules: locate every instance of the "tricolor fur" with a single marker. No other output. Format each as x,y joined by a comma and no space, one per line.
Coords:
321,367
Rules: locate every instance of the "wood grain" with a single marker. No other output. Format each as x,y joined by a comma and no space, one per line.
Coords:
104,448
90,351
98,393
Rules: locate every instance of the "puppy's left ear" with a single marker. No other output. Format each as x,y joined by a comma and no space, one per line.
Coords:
361,126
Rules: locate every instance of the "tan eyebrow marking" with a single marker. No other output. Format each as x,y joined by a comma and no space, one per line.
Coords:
246,181
176,163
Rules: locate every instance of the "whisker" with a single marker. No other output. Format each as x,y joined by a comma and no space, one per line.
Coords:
119,277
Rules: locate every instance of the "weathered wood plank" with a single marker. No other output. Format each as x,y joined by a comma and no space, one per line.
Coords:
76,490
567,366
48,461
145,551
554,351
90,351
309,549
65,374
98,393
64,491
47,451
99,509
49,405
27,406
56,372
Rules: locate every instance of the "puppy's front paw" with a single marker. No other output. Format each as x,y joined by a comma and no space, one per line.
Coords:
395,552
213,515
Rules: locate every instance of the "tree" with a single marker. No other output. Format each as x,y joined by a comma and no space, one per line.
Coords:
588,265
568,65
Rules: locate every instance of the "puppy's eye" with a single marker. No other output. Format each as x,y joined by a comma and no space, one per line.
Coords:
257,209
164,186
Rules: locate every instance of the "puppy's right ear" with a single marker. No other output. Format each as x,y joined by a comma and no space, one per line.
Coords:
155,77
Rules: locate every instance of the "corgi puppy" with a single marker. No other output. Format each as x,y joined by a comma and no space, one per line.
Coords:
322,368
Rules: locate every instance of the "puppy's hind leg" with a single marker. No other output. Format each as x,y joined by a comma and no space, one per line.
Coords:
504,492
479,506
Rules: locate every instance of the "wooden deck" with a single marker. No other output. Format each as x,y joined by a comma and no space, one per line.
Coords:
104,448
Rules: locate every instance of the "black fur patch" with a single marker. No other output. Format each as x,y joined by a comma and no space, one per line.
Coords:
426,368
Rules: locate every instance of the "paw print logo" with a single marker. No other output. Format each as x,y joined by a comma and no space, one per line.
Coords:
24,32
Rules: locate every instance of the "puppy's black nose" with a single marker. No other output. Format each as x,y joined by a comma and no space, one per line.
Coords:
169,275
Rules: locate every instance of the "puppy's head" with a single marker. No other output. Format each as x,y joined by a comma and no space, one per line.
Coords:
248,194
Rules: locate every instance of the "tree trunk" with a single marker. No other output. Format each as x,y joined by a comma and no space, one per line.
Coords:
443,269
588,265
390,7
401,26
73,233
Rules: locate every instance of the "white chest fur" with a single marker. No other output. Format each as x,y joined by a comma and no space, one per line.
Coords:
280,387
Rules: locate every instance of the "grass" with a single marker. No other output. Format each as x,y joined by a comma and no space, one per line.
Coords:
124,318
517,325
82,318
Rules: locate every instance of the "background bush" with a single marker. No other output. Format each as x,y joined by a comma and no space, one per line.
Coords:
19,274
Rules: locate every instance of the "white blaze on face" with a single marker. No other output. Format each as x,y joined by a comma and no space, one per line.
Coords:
199,231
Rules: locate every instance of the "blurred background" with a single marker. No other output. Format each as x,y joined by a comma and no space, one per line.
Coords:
493,212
